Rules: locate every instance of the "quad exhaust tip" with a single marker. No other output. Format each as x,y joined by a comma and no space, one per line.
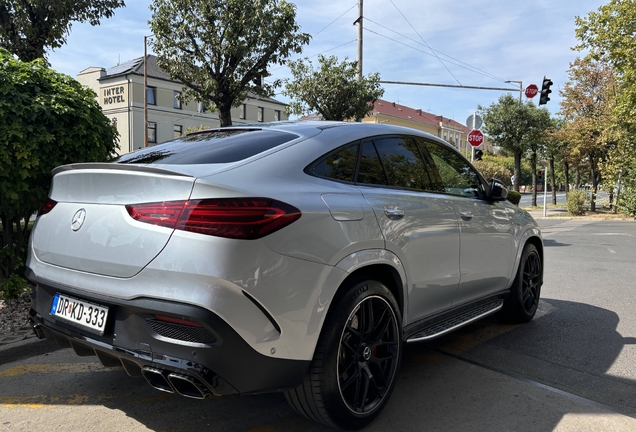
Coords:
171,382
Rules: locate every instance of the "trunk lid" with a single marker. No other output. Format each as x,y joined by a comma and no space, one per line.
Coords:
108,240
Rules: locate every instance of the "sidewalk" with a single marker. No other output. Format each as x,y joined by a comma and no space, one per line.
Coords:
550,213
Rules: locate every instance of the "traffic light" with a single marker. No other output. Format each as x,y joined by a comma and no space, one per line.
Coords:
540,176
545,91
258,80
478,154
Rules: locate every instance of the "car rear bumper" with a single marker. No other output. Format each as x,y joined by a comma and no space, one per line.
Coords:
214,356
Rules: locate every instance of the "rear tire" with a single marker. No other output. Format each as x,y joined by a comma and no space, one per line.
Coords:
356,361
521,305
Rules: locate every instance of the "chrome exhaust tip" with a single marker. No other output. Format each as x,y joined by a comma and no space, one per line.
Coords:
188,386
157,379
38,331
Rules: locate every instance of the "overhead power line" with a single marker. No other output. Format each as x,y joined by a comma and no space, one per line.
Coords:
426,43
469,67
354,5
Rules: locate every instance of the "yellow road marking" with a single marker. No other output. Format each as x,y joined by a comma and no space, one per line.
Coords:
53,368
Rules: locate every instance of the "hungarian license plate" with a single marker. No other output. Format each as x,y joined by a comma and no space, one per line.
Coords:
79,312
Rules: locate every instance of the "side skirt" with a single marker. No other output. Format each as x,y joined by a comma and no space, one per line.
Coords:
452,319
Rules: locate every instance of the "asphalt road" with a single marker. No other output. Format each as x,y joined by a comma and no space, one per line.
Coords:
526,199
573,368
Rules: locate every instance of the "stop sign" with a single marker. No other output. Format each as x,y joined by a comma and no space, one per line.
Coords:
531,91
475,138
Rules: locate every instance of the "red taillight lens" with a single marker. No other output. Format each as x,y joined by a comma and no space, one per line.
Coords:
46,207
237,218
165,214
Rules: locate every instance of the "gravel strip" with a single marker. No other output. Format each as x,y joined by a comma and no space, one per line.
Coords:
14,313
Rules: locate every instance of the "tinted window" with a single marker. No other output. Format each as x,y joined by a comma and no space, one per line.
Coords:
340,165
455,174
403,163
221,146
370,171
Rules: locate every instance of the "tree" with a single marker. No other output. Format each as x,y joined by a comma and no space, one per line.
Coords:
513,126
47,119
29,27
332,90
587,107
221,49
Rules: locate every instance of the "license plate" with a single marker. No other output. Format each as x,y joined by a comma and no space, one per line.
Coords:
80,312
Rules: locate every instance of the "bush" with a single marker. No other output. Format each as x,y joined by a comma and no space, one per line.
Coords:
514,197
576,201
627,202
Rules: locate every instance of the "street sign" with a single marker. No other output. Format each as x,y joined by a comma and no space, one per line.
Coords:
475,138
474,122
531,91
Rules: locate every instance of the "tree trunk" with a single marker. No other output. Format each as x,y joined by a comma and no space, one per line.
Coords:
225,116
577,178
566,174
593,173
517,170
551,161
533,166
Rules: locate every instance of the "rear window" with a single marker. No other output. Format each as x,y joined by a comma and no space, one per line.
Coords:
221,146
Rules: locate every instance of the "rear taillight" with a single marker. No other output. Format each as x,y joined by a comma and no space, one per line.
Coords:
46,207
238,218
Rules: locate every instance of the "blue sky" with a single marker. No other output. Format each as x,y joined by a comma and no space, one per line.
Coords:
505,39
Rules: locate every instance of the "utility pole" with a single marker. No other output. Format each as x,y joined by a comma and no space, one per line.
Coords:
520,87
145,91
359,22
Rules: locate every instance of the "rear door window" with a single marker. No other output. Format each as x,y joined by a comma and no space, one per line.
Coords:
403,163
219,146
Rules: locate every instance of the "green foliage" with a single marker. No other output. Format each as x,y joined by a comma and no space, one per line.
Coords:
576,202
627,203
514,197
332,90
515,127
492,170
508,162
216,48
47,119
29,27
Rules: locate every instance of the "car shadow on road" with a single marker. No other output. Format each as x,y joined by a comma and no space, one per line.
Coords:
563,369
551,243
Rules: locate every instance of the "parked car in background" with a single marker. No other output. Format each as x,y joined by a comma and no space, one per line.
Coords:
295,257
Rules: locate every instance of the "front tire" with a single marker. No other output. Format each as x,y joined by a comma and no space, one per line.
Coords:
523,301
356,360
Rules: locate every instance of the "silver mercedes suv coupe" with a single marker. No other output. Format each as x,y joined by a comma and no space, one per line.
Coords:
295,257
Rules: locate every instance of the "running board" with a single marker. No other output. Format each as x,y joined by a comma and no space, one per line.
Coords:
456,321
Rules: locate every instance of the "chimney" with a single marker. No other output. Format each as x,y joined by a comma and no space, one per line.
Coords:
419,111
391,103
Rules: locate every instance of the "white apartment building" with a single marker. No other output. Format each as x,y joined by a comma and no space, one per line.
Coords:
119,92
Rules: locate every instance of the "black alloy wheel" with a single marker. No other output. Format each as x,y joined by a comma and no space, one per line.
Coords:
531,282
356,360
368,355
525,291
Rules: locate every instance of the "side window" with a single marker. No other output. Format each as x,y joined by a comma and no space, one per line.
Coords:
403,163
340,165
455,174
370,171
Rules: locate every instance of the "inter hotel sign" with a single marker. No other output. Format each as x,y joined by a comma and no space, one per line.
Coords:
114,95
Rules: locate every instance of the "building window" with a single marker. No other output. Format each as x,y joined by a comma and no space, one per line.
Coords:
201,107
152,132
243,113
176,102
178,131
260,114
151,95
277,115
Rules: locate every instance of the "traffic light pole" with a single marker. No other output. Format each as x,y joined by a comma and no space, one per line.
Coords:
545,190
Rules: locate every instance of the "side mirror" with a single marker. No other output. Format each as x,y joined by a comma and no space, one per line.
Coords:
498,191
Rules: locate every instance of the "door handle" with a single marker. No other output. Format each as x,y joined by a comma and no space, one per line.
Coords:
466,215
393,212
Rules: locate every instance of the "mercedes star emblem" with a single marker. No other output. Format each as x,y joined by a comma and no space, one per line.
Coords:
78,219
